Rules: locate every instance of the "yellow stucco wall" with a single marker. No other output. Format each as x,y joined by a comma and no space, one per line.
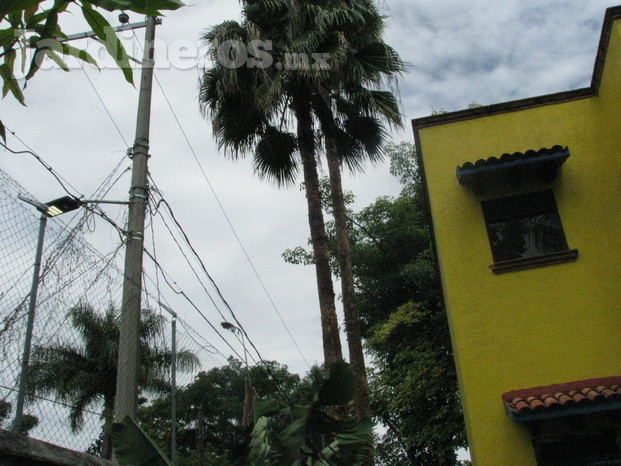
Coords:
540,326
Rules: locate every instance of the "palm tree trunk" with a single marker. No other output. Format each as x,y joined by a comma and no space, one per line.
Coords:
362,402
329,323
106,441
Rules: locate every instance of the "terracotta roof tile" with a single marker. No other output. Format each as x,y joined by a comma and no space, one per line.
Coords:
542,163
561,395
510,157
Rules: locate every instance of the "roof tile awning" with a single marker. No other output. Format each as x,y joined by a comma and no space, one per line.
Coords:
561,400
513,168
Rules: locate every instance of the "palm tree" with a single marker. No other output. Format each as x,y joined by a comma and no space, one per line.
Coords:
84,374
251,107
351,120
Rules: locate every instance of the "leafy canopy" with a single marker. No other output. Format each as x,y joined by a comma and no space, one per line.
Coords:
413,384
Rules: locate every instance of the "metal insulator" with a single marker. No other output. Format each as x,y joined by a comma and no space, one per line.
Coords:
123,18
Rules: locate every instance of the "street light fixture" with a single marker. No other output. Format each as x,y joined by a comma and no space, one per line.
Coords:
50,209
54,208
249,392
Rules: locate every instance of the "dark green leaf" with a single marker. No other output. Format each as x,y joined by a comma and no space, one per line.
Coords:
10,6
9,59
265,407
105,33
78,53
50,24
146,7
133,446
7,36
151,7
56,59
275,157
112,5
36,19
35,63
340,386
294,435
29,13
10,83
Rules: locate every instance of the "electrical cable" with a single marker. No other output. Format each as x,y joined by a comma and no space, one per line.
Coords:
118,130
240,326
187,298
255,271
42,162
67,405
238,239
193,270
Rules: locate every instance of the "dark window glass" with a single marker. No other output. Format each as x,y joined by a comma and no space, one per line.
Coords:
524,226
586,449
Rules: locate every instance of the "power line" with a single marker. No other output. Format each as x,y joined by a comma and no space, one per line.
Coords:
187,298
58,178
265,364
118,130
241,245
193,270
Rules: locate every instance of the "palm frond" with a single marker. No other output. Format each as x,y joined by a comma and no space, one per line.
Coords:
370,134
275,157
76,412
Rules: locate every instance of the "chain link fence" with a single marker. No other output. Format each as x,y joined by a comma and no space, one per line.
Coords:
73,276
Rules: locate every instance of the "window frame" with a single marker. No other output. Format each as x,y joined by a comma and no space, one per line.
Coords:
520,207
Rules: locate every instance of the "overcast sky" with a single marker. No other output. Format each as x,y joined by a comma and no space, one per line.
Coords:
458,52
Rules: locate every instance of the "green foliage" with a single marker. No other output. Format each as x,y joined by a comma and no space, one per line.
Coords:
209,410
5,410
33,25
209,413
303,441
134,447
259,448
340,386
29,421
84,374
254,108
413,385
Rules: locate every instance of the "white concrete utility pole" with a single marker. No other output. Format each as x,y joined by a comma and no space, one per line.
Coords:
129,338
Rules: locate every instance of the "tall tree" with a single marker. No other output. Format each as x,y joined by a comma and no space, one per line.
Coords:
84,374
350,116
251,103
414,384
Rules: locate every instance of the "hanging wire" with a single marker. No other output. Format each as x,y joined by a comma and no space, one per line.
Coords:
222,209
118,130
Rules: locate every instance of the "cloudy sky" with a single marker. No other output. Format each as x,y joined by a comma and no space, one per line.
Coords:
457,53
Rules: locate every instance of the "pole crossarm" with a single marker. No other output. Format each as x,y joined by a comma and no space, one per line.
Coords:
122,27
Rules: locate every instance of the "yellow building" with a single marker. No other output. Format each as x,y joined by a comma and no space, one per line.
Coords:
525,202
